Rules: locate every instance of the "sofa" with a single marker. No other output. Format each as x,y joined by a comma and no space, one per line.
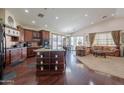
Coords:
82,50
109,50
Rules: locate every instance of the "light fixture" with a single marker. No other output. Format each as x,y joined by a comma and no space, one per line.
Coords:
85,14
46,25
26,11
33,22
57,17
113,14
92,22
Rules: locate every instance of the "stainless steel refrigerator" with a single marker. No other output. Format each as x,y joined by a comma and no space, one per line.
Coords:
2,51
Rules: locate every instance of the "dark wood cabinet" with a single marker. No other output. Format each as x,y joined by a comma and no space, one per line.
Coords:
27,35
50,62
15,54
8,57
30,51
36,35
44,35
23,53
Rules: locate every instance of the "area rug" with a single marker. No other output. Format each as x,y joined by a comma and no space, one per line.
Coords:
110,65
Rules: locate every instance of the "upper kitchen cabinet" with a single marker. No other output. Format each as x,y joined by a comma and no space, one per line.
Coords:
36,35
31,35
27,35
45,35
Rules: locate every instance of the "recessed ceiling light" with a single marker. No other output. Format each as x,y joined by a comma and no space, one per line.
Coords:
113,14
85,14
46,25
57,17
26,11
33,22
92,22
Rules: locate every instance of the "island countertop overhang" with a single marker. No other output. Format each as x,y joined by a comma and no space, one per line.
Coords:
43,50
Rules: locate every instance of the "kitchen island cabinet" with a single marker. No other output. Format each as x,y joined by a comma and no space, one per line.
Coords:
50,61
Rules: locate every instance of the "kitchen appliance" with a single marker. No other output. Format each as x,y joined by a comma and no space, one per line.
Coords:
46,44
2,51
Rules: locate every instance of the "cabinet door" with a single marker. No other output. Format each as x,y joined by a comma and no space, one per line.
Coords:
28,35
45,35
35,35
23,53
8,58
13,55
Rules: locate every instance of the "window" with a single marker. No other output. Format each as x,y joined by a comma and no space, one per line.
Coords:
103,39
76,41
57,41
80,40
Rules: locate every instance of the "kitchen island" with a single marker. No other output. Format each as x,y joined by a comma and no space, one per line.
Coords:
50,61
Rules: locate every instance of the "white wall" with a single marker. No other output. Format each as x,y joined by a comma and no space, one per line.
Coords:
108,25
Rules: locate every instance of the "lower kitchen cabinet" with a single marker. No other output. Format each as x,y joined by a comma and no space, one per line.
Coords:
30,51
8,57
23,53
15,55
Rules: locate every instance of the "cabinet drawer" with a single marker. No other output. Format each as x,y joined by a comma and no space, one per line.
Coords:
43,54
57,61
43,61
56,54
57,68
42,68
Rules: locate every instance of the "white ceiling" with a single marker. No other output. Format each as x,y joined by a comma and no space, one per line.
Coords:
70,19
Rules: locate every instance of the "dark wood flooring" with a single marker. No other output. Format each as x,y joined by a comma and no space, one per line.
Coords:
75,74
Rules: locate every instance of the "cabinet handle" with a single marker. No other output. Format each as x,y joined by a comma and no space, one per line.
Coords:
41,56
41,62
38,53
56,56
56,68
41,68
56,62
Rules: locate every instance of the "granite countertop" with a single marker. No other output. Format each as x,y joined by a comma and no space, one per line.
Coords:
15,47
43,49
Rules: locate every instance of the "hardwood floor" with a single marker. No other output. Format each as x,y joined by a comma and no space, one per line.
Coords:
75,74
